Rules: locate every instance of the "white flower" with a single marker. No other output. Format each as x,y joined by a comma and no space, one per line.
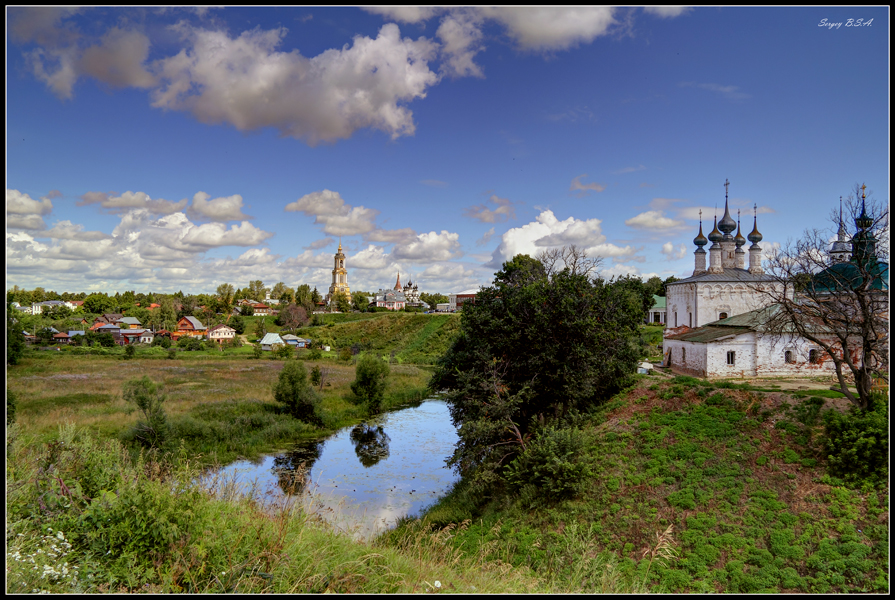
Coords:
438,584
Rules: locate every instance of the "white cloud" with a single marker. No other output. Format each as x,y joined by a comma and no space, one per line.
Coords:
391,236
549,232
430,246
330,210
405,14
318,244
667,11
245,82
132,200
485,238
226,208
66,230
32,222
503,212
653,219
18,203
118,59
461,36
552,28
585,187
669,251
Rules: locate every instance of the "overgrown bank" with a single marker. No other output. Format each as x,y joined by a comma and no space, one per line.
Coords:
686,486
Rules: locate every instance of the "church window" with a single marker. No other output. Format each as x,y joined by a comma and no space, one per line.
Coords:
722,315
683,355
813,356
675,319
788,357
731,358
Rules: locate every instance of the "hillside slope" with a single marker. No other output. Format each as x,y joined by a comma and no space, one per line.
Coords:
727,482
412,337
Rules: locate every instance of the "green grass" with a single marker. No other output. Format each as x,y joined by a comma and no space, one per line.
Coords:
741,483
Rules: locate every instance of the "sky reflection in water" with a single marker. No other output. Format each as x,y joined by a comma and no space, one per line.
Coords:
362,483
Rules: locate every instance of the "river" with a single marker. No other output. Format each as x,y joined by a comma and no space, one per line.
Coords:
363,478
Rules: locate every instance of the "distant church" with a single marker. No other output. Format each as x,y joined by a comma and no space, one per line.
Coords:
715,317
340,277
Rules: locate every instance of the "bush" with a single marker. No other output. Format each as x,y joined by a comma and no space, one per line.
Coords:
294,390
316,375
345,354
285,351
147,396
190,343
130,351
857,443
551,463
257,351
370,382
172,353
11,404
314,354
161,340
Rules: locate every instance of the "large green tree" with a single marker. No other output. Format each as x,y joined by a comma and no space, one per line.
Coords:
536,344
15,339
294,391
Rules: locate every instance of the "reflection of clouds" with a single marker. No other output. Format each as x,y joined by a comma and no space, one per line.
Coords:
364,501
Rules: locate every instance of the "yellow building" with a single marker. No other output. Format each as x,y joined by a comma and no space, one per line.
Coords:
340,277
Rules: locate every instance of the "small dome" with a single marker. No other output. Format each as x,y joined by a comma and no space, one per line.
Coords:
739,239
700,240
716,236
755,236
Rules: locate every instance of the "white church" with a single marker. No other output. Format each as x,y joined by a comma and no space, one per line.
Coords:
714,317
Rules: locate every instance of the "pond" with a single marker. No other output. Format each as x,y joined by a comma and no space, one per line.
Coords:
363,478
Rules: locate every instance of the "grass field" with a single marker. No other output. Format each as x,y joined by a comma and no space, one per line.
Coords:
732,479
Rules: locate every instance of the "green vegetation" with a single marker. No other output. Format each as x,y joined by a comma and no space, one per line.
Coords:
294,391
370,382
153,430
732,481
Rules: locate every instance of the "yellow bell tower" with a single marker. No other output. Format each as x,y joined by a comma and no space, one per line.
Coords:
340,276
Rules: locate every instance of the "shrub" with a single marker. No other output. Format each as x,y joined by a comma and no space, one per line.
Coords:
857,443
345,354
314,354
294,390
161,340
551,463
257,351
11,404
172,353
130,351
370,381
285,351
147,396
315,376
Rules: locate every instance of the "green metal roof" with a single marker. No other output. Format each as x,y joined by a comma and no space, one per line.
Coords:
658,302
708,333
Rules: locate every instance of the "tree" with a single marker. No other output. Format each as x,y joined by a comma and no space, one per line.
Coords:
238,325
370,381
247,310
292,317
303,297
533,347
278,290
655,286
98,304
360,301
434,299
225,293
341,302
316,298
257,291
15,339
636,286
260,328
841,307
294,390
152,430
167,316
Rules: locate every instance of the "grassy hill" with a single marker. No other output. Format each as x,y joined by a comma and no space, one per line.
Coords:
412,337
693,487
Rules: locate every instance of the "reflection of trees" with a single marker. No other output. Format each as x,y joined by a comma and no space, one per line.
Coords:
294,467
370,444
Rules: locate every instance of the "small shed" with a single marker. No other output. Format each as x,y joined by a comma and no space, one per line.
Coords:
270,340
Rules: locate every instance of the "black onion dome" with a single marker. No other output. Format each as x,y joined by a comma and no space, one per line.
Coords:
716,236
739,239
755,236
727,224
863,221
700,240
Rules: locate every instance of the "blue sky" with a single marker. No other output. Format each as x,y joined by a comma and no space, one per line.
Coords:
177,149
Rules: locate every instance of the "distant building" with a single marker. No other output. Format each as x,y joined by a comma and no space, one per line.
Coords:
340,277
457,300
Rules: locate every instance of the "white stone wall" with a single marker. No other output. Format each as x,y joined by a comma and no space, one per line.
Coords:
693,363
707,300
744,360
772,363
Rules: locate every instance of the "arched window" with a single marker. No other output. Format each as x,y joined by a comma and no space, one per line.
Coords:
722,315
788,357
814,356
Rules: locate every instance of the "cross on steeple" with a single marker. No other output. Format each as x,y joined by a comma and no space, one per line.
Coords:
726,185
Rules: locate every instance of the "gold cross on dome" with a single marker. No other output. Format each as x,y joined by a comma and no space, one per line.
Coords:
863,187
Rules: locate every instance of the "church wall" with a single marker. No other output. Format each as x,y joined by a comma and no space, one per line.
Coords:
744,360
772,363
693,362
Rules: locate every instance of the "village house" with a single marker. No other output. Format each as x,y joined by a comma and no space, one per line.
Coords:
261,309
189,326
221,333
294,340
129,323
271,341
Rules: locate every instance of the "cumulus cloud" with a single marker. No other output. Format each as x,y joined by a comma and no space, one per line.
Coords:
330,210
118,59
671,253
653,219
666,11
481,212
32,222
391,236
552,28
131,200
18,203
546,231
66,230
461,36
245,82
405,14
430,246
583,188
228,208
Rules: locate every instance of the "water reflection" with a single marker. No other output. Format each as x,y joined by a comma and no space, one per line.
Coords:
293,469
370,443
362,479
